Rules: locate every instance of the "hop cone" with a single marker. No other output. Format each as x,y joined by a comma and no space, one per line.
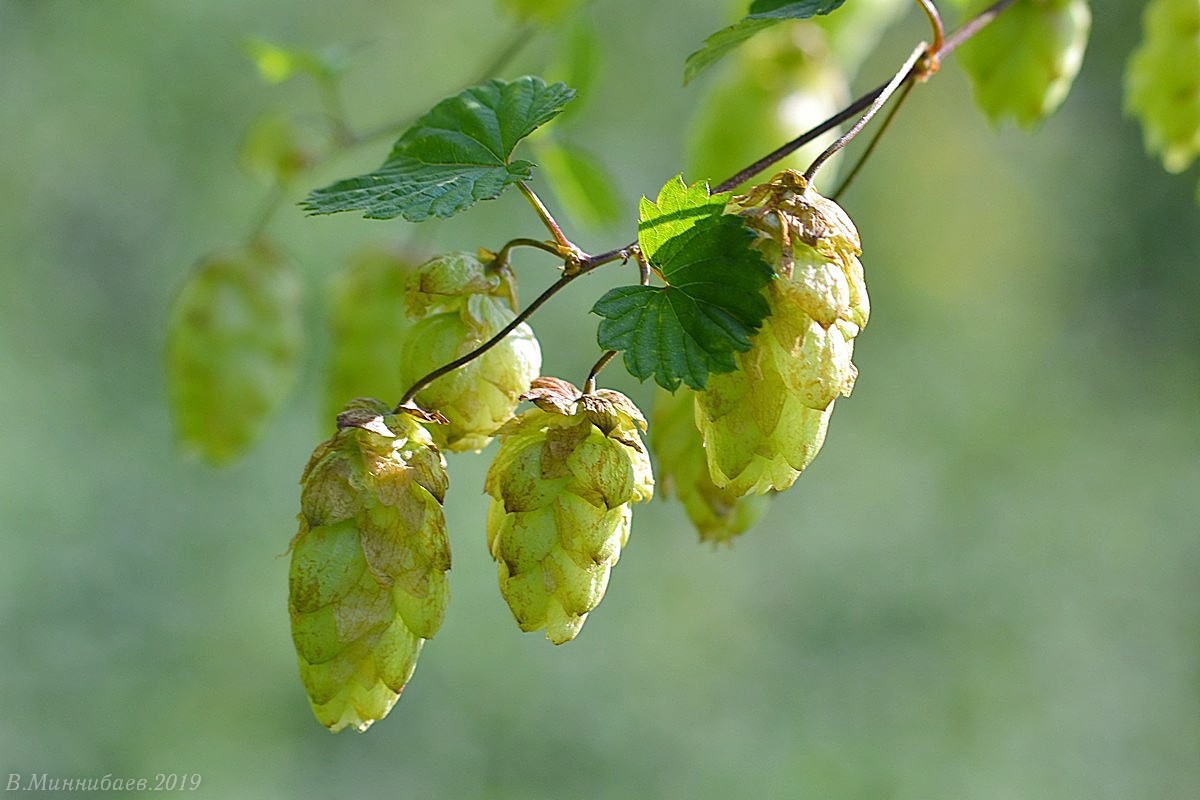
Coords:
765,422
367,584
1023,64
233,350
718,514
1162,82
561,487
464,305
367,323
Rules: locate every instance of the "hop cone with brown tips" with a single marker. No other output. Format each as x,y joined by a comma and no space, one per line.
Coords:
562,486
464,303
367,584
764,423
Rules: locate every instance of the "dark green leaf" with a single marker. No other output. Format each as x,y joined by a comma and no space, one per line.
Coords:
712,303
783,9
763,14
451,157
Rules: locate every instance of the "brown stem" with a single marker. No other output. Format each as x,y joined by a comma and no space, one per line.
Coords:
875,140
878,103
949,45
587,265
589,385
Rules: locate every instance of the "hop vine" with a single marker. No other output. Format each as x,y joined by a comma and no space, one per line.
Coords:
748,303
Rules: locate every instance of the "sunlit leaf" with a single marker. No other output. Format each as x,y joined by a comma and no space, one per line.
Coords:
456,154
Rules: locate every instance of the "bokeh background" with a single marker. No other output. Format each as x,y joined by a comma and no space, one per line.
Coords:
985,587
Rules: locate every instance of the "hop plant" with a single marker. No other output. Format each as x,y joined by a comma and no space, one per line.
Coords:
368,328
464,304
367,583
1023,64
562,485
1162,82
718,514
765,422
233,349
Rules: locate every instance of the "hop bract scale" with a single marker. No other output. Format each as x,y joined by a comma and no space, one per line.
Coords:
461,302
562,485
1162,82
367,584
765,422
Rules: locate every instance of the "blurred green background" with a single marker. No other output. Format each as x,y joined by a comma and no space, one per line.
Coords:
985,587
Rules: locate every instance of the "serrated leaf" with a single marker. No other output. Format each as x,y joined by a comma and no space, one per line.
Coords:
712,303
763,14
580,182
456,154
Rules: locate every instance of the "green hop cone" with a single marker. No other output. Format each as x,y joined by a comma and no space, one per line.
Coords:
367,584
562,485
464,304
718,514
1022,65
367,323
765,422
448,281
1162,81
233,349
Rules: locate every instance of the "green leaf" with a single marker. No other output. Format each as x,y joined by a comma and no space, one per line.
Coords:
453,156
577,63
782,9
712,303
763,14
720,44
580,182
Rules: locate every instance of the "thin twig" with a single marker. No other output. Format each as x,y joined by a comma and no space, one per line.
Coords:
547,218
878,103
951,43
875,140
590,263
